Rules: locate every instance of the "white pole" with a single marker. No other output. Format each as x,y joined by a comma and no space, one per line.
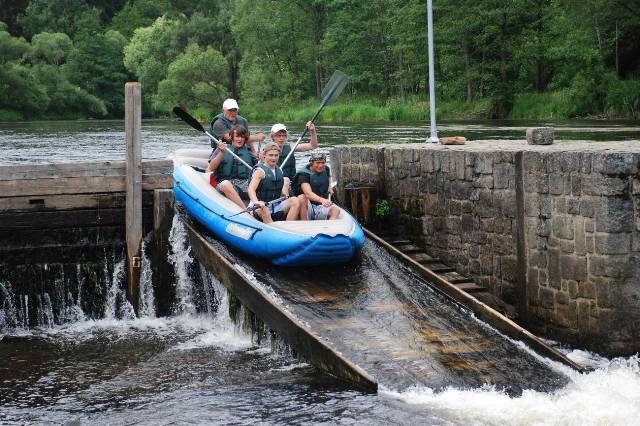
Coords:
432,85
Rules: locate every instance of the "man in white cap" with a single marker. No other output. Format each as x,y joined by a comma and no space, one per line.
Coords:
222,124
279,136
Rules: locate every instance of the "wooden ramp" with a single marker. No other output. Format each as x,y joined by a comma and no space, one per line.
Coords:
375,321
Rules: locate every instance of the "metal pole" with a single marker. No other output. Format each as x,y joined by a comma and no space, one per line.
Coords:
432,90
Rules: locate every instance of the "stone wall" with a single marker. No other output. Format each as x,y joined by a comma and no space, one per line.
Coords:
554,230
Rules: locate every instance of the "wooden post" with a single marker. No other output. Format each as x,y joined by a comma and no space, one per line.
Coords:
162,219
132,123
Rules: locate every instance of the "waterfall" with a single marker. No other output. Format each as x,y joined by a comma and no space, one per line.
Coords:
181,259
146,304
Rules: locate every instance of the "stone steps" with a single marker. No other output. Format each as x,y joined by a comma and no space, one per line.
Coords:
449,274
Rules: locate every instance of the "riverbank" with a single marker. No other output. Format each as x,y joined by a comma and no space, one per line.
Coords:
525,106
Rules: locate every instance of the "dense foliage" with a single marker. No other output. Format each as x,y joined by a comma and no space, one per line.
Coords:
494,58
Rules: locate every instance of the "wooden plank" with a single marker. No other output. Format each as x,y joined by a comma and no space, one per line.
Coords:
132,130
66,218
484,312
81,169
299,336
69,201
470,287
79,185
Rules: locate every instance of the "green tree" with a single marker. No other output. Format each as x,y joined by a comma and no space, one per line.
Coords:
197,77
51,48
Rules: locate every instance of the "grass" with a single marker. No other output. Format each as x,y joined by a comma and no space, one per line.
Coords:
357,110
541,106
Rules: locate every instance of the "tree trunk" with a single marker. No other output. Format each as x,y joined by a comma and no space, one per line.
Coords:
385,67
403,97
318,14
467,69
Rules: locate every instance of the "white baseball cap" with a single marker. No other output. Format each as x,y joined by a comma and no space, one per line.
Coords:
230,104
278,127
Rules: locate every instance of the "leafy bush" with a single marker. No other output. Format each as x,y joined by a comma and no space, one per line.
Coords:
623,99
382,208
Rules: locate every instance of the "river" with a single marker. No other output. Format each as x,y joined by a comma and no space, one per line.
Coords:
198,367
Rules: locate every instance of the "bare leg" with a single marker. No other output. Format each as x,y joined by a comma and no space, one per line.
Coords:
303,207
292,208
229,191
265,215
334,212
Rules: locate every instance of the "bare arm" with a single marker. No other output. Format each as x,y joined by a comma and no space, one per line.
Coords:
256,177
313,142
215,161
311,196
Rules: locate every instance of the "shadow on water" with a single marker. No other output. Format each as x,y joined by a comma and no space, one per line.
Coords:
385,319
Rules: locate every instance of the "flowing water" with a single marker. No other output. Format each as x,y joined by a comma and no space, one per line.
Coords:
66,365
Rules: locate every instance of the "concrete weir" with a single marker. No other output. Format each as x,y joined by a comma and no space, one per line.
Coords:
553,230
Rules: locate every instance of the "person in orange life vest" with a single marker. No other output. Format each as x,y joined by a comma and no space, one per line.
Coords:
231,175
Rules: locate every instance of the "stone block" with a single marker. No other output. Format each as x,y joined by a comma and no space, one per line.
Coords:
556,184
562,317
414,169
573,289
603,293
576,185
562,298
503,176
612,243
580,241
531,206
540,135
483,164
567,246
547,297
620,163
533,162
483,181
569,162
554,267
407,156
585,162
543,184
614,215
544,228
546,207
559,205
573,267
563,227
551,163
605,186
587,207
543,278
573,206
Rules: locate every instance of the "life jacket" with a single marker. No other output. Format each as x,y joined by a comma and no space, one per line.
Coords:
319,182
231,168
270,187
289,169
240,121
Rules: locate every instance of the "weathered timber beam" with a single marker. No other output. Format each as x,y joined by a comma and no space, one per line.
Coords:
68,218
80,185
69,201
289,328
82,169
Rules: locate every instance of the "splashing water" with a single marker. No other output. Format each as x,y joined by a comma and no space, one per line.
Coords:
607,396
146,305
181,259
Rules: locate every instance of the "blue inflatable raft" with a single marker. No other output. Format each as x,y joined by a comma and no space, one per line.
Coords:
292,243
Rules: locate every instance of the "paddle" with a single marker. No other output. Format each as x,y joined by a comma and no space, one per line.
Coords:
256,206
184,116
330,93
